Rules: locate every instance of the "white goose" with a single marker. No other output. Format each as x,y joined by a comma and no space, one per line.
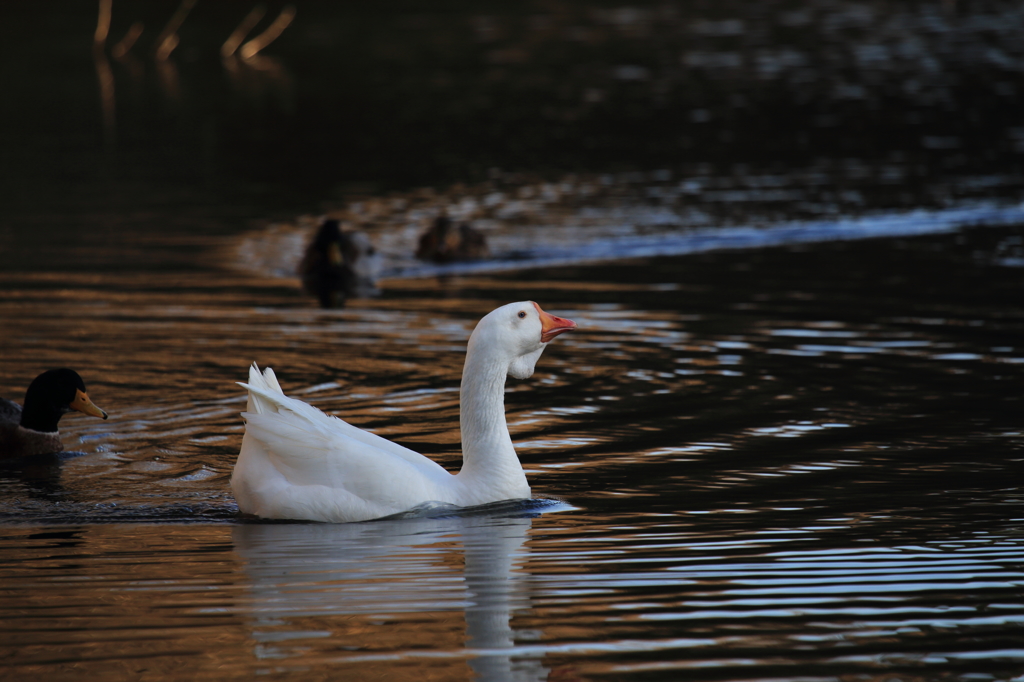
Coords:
298,463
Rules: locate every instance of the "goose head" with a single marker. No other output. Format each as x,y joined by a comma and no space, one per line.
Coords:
516,334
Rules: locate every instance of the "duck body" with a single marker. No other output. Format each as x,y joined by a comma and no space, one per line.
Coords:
298,463
338,265
17,441
444,242
32,429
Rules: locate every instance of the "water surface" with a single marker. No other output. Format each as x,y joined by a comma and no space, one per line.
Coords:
784,444
798,461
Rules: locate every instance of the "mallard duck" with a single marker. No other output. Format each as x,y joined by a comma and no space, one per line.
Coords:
444,242
32,429
298,463
338,265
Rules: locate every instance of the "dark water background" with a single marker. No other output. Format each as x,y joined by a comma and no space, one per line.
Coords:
800,462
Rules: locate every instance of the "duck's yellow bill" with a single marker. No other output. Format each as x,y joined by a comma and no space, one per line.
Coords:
86,406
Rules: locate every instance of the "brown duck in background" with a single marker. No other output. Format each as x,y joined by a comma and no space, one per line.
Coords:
338,265
444,242
32,429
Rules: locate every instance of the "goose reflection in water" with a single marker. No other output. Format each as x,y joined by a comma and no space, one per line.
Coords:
304,576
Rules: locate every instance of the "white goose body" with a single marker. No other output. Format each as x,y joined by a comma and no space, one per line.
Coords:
298,463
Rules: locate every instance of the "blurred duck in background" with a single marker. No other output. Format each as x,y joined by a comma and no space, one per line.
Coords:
444,242
339,265
32,429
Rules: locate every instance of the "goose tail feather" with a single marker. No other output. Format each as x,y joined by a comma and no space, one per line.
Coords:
265,383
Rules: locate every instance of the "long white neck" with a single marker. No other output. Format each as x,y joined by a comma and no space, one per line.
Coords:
489,461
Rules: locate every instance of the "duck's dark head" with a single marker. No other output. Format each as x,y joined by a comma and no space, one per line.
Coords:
328,233
51,395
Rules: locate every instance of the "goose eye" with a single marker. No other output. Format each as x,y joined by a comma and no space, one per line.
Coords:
522,314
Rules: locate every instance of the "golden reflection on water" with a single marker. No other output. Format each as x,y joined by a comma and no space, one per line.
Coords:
719,458
93,609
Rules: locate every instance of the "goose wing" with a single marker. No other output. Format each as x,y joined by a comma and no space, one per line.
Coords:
310,447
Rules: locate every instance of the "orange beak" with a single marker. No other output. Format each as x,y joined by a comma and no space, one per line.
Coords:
85,406
551,326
